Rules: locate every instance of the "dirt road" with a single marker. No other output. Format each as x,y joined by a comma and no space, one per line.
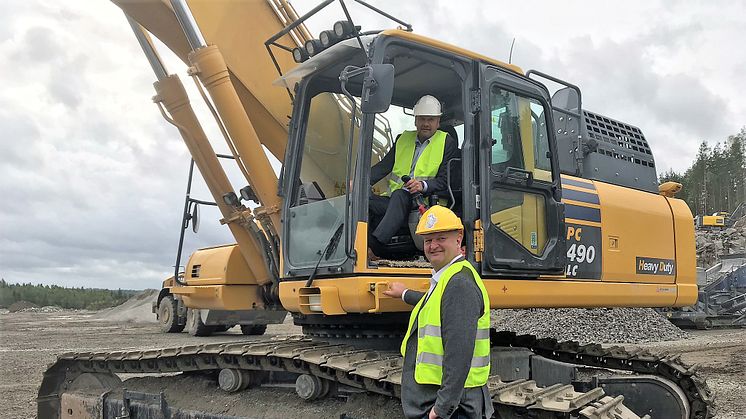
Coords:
30,341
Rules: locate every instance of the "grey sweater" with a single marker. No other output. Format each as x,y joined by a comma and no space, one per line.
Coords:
461,307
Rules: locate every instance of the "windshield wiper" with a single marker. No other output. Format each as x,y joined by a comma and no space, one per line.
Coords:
328,251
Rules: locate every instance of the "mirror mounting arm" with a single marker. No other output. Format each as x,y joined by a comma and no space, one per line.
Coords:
349,72
377,88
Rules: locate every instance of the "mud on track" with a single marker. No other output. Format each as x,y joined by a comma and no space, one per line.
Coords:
31,341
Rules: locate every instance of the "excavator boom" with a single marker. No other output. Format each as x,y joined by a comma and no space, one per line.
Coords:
251,68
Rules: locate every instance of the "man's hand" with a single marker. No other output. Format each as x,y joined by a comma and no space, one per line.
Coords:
432,414
396,289
414,186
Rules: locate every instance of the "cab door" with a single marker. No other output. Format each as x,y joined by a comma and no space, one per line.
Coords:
520,208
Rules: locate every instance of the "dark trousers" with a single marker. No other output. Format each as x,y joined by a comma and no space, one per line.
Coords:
388,214
461,414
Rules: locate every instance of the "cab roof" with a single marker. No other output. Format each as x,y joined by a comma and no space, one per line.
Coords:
434,43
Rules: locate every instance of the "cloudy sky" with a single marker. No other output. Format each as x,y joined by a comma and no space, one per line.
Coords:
92,179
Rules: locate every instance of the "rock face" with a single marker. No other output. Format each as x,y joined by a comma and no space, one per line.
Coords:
596,325
711,244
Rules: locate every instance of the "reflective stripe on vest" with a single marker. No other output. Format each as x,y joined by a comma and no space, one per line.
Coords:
429,361
427,164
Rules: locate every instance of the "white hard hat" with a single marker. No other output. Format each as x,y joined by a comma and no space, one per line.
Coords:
427,106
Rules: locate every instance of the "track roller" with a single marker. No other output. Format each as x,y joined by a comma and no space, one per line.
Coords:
232,380
309,387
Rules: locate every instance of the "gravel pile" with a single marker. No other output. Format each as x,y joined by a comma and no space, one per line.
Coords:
136,309
45,309
597,325
420,263
21,305
711,244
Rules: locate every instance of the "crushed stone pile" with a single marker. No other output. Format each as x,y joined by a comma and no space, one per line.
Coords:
45,309
596,325
711,244
21,306
137,309
419,263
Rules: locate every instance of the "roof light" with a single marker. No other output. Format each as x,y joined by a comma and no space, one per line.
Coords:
313,47
231,199
343,28
328,38
300,54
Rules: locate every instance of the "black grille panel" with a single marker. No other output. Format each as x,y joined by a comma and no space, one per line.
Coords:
618,140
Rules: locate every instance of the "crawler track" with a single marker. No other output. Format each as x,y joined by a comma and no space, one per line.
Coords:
380,372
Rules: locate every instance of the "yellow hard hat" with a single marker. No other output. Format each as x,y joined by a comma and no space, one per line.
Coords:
438,219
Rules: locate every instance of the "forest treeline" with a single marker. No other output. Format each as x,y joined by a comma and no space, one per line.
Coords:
716,181
53,295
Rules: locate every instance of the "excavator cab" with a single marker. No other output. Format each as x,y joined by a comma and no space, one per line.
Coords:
508,192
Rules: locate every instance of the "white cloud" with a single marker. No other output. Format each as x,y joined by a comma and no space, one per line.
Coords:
92,179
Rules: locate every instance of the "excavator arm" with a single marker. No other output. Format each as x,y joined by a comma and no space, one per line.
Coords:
251,113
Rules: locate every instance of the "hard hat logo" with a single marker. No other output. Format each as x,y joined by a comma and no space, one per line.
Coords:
431,220
427,106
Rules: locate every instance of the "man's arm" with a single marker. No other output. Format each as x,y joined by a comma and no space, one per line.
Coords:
383,167
460,310
412,297
399,290
439,184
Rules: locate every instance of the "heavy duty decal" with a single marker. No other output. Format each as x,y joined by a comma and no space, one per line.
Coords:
583,252
654,266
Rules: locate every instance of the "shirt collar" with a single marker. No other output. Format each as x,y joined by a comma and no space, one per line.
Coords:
425,140
437,274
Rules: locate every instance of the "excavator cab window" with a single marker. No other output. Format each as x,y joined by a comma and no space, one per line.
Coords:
418,72
519,214
522,215
318,201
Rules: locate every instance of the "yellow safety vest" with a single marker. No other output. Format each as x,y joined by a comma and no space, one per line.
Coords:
428,163
429,362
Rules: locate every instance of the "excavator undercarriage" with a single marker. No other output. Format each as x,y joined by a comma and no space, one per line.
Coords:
543,378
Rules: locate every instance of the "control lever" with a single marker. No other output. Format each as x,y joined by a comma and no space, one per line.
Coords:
417,197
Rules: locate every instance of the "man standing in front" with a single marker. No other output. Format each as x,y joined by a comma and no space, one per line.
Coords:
447,345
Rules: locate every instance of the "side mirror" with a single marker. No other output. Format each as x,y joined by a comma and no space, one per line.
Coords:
378,88
193,217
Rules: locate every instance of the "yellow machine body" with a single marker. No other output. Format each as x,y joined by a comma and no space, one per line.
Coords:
636,227
645,244
713,221
218,278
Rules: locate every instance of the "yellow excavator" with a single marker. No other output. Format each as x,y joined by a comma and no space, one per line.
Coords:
714,221
561,208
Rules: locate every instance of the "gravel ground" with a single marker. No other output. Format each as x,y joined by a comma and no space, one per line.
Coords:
596,325
30,341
